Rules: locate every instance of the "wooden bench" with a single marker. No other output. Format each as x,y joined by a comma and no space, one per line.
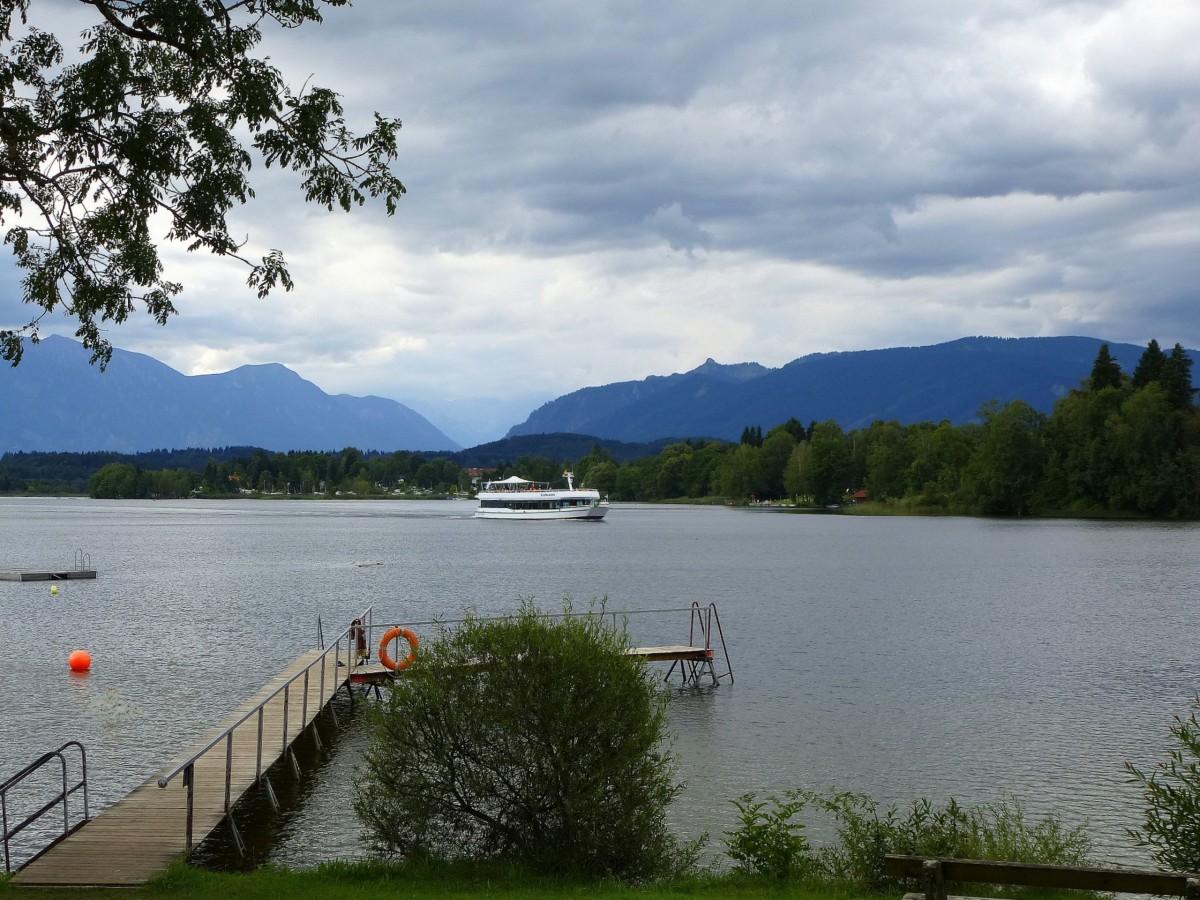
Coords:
934,873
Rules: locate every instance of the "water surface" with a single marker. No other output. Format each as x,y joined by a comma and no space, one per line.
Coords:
898,657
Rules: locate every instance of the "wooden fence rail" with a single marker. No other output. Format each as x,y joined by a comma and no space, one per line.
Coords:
934,873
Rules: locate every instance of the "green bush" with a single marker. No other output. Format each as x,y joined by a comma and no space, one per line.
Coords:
530,740
768,841
994,831
1172,792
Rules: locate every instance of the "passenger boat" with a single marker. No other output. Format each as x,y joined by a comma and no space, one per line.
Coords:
516,498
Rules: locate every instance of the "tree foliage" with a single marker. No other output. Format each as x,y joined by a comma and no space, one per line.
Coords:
1171,827
1009,458
144,126
528,739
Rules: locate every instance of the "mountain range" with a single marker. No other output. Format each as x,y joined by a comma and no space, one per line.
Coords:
948,381
56,401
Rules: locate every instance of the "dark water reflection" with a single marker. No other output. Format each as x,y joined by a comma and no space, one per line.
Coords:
898,657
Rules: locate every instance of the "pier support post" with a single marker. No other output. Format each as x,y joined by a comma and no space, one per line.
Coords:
237,836
266,782
933,879
188,778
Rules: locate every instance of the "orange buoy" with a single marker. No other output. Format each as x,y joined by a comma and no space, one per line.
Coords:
79,661
413,645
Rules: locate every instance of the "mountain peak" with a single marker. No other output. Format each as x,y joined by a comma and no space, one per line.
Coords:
736,372
138,404
950,381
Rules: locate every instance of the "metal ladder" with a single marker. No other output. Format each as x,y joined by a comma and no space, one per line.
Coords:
62,796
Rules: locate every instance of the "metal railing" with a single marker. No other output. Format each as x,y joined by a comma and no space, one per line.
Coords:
706,619
702,618
343,647
61,797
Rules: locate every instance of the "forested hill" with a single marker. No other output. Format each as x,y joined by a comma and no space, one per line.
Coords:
948,381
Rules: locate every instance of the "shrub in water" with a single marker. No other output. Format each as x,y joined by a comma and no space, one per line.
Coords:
1172,791
527,739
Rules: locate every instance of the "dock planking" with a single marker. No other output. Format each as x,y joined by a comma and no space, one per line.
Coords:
674,653
45,574
134,840
698,661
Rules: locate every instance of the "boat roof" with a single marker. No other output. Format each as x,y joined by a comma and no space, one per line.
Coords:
512,479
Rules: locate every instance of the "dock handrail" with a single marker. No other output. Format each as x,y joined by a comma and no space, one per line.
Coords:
704,617
187,767
62,797
707,618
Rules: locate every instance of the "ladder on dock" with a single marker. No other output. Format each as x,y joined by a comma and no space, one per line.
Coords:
135,840
693,661
81,568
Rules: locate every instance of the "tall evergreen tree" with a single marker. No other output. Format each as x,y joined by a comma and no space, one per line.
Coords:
1177,378
1150,366
1106,372
797,430
752,435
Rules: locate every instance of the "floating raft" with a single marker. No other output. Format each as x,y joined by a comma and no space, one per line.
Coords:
45,574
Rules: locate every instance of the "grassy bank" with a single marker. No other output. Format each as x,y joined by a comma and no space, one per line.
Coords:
373,879
359,881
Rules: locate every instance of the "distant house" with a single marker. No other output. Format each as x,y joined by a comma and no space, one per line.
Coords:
478,474
859,496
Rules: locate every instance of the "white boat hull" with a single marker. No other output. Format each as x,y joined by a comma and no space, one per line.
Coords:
593,513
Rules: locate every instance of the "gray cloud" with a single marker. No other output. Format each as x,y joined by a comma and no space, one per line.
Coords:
605,191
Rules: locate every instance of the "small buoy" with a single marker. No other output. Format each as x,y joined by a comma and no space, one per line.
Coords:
54,589
79,661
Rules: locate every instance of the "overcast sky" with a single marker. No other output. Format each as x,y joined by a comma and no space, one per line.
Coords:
603,191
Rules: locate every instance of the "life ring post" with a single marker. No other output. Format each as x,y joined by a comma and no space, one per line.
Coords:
413,646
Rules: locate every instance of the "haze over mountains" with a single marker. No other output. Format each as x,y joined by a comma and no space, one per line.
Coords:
56,401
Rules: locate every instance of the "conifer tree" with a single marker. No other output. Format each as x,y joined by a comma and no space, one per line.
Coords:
1177,378
1150,366
1106,372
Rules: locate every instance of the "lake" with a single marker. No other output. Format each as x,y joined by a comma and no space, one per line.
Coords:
899,657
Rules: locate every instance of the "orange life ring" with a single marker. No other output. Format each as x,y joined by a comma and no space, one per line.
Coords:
413,645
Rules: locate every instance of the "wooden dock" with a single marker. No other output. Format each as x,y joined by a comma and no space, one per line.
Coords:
692,662
45,574
134,840
678,653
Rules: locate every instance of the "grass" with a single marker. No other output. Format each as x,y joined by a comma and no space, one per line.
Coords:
373,879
